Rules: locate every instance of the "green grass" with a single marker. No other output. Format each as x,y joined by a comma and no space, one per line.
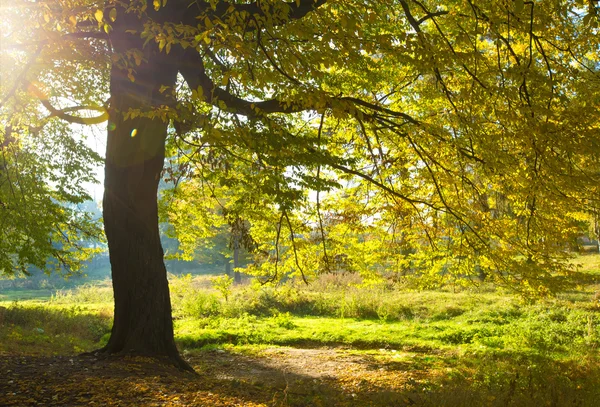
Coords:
589,263
484,341
331,312
537,329
24,294
41,328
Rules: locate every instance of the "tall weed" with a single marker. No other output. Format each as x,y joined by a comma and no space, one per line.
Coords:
85,294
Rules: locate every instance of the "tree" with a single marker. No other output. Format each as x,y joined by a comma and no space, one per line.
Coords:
41,192
206,229
432,108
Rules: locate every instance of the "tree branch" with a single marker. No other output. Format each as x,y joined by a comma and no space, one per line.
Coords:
287,218
64,113
297,9
193,71
431,15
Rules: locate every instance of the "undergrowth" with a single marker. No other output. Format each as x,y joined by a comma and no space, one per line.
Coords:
479,346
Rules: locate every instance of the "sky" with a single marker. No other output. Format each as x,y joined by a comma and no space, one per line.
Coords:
95,138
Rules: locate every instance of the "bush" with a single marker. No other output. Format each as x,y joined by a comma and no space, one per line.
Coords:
189,301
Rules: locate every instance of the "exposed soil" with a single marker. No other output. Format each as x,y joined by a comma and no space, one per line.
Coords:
274,377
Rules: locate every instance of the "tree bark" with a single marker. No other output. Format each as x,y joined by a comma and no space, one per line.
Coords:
227,268
135,153
237,277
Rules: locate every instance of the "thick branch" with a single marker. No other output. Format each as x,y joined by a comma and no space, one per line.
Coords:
431,15
411,19
192,70
64,113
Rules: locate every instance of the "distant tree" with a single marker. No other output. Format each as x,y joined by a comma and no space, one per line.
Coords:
206,228
429,105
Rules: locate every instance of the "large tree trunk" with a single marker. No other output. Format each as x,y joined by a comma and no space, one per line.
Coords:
134,160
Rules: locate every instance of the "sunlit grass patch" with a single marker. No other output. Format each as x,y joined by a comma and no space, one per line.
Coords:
99,293
24,294
36,328
589,263
479,346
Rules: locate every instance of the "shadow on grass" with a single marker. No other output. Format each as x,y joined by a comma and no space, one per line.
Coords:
228,379
312,377
343,379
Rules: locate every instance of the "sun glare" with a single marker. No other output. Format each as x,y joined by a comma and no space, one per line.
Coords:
13,18
16,41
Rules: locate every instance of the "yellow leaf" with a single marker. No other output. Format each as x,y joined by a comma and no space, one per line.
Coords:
198,93
156,4
99,15
73,20
112,14
47,17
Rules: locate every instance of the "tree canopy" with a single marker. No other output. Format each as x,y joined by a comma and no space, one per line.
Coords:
463,129
446,138
466,134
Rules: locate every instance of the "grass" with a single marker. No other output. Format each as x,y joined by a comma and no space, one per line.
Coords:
25,294
535,329
42,328
333,312
589,263
484,341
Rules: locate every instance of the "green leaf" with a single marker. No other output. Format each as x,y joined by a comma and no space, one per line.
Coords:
519,5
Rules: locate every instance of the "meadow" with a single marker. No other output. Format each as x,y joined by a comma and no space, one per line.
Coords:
478,345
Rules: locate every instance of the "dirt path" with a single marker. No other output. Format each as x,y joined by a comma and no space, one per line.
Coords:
331,376
275,377
288,377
